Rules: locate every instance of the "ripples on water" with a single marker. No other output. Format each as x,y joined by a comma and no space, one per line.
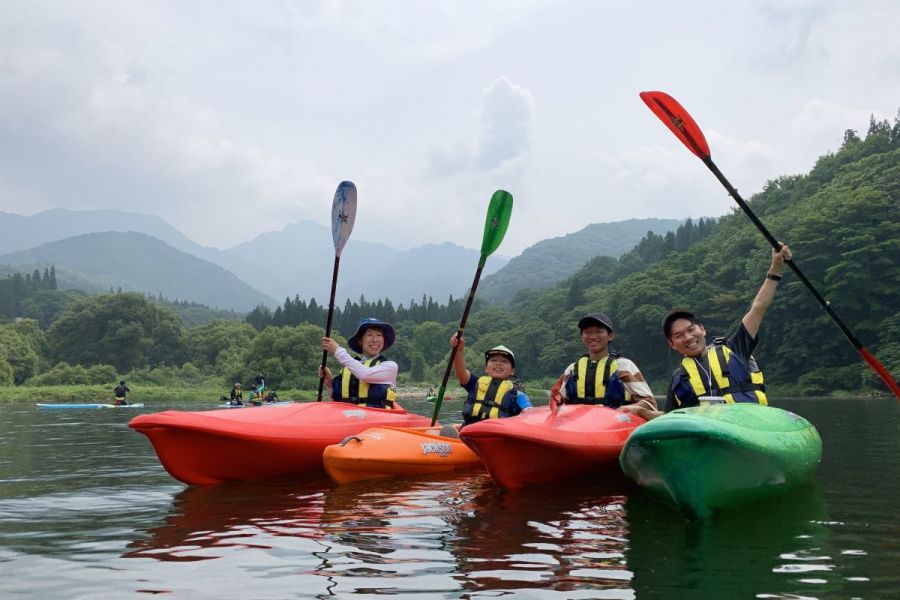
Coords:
87,512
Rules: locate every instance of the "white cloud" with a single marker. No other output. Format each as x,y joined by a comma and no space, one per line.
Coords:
235,124
503,134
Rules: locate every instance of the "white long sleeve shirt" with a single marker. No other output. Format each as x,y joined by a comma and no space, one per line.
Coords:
384,372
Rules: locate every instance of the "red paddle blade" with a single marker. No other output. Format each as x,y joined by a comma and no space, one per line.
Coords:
678,120
882,372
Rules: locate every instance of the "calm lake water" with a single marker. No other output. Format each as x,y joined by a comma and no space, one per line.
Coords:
86,511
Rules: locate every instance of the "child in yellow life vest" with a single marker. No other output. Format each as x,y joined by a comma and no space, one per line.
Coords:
494,395
366,380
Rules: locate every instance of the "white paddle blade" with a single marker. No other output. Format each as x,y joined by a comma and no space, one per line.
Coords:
343,214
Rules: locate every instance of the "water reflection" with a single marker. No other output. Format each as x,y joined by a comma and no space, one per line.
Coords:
438,536
760,551
571,541
204,521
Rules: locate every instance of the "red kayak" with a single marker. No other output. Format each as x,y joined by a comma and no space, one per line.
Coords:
539,446
206,447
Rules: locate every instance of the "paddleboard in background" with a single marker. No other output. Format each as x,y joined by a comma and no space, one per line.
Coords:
88,405
212,446
433,398
397,451
720,456
540,447
251,405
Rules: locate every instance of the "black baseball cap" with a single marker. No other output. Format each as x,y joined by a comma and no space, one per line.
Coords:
675,314
596,319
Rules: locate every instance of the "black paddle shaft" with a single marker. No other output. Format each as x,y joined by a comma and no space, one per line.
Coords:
826,305
459,332
334,276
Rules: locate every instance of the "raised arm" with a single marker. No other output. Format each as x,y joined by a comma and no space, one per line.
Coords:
753,319
459,361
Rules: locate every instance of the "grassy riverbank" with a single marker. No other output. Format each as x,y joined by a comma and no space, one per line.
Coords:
151,393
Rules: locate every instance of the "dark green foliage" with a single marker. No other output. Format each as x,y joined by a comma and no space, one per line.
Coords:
344,321
207,342
66,374
124,330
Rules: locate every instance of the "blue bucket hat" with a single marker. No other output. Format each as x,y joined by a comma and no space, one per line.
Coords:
386,328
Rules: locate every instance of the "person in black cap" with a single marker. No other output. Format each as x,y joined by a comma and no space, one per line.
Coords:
724,371
602,376
495,395
366,380
120,392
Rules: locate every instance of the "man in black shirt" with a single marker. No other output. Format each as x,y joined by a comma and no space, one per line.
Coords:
724,371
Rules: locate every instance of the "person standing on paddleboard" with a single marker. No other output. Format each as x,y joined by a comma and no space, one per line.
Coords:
601,376
724,371
366,380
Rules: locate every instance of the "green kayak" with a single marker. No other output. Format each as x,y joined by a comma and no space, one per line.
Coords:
708,458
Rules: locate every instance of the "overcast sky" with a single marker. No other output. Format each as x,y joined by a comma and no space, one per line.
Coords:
229,119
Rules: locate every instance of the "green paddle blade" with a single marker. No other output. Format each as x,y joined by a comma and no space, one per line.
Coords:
497,222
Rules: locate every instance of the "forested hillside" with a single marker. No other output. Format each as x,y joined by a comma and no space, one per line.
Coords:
842,221
138,262
550,261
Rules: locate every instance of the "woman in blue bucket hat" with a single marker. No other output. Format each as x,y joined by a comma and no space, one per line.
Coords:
367,379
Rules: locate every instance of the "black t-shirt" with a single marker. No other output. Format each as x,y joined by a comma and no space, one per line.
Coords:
740,343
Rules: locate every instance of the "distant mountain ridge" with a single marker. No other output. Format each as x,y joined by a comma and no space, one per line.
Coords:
550,261
138,262
298,260
18,232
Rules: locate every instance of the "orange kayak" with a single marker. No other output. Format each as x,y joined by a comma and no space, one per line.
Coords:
396,451
206,447
538,446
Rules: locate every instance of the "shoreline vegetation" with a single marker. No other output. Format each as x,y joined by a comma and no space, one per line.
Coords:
205,395
201,395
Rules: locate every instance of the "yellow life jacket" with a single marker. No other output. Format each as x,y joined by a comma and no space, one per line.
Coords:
735,379
361,393
492,399
597,382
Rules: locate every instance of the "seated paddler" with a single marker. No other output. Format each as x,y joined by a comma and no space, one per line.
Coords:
724,371
367,378
601,375
497,393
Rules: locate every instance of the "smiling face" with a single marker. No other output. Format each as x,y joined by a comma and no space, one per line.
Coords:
687,337
596,339
372,341
499,366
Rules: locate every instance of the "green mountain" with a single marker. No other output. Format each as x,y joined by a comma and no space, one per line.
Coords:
138,262
550,261
842,221
19,232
